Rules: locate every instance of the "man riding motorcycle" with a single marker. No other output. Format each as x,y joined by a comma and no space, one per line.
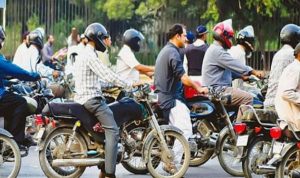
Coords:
89,71
14,107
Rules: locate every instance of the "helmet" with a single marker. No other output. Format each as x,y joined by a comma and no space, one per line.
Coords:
36,37
131,37
246,38
290,34
190,37
96,32
223,32
2,36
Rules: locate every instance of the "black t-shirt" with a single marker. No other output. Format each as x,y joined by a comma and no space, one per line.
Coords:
168,72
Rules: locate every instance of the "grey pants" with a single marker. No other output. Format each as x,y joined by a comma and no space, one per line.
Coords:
99,108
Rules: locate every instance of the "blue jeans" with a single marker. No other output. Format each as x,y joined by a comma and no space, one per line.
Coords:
102,112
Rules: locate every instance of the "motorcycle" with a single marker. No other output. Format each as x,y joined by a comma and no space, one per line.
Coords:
10,157
254,140
69,148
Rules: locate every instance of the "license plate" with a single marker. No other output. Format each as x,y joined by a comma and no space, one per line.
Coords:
40,133
242,140
277,147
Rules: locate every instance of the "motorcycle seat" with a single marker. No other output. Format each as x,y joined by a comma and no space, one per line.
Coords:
266,116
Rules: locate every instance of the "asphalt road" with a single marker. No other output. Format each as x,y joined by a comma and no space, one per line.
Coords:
31,168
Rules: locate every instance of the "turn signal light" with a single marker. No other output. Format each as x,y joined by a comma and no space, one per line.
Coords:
240,128
257,129
298,145
275,132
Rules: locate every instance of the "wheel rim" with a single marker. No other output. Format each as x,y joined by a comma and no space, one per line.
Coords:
155,162
57,142
228,154
8,159
291,163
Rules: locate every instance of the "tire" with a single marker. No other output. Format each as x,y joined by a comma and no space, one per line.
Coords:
60,172
288,163
227,141
17,157
153,167
127,164
255,146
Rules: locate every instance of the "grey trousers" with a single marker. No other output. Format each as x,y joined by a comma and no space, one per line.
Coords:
99,108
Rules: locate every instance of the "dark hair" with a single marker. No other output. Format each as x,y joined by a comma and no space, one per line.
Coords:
174,30
24,35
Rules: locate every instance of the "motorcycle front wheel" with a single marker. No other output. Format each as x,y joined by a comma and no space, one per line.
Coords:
290,164
10,157
155,164
55,148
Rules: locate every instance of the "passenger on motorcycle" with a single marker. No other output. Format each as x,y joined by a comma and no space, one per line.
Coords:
89,70
22,48
218,65
104,56
128,66
169,72
287,101
13,107
194,54
244,48
289,37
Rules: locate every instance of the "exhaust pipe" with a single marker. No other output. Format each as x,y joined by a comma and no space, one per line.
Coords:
77,162
265,169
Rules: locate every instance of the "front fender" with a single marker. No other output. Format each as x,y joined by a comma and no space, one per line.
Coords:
152,135
6,133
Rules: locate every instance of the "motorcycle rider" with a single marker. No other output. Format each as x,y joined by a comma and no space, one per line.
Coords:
89,70
244,48
22,48
12,106
169,72
195,53
288,93
218,65
289,37
128,66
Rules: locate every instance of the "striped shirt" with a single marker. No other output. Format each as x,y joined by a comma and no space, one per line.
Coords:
89,70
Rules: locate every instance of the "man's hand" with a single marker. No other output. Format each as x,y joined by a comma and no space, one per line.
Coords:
202,90
136,84
258,74
55,74
245,77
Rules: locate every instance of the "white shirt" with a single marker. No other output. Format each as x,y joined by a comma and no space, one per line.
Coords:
126,64
287,101
238,52
69,69
30,57
281,59
89,71
19,55
104,57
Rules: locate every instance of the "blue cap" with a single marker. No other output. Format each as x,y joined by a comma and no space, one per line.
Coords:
190,36
201,30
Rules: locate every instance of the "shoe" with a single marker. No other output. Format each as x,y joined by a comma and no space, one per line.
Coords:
170,168
28,141
23,150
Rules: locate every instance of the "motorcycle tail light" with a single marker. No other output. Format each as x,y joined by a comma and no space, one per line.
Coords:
275,132
298,145
257,129
240,128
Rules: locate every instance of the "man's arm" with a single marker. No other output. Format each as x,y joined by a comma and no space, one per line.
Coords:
185,79
144,69
290,84
46,56
15,71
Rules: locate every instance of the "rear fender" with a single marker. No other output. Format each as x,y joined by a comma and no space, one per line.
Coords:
152,135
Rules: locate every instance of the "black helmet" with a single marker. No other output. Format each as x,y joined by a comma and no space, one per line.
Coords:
290,34
246,38
2,36
131,37
36,37
96,32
